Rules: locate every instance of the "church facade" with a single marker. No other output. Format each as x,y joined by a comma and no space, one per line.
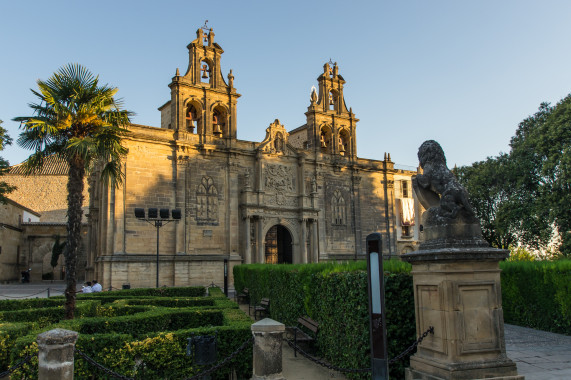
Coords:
298,196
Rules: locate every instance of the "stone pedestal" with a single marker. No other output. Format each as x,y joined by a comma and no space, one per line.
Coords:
268,349
458,291
56,348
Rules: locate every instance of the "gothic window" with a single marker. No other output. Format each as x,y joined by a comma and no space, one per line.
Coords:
338,209
207,202
191,118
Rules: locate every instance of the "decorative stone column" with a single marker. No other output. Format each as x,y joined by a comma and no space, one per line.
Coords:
303,242
248,247
268,349
314,242
456,279
260,241
56,348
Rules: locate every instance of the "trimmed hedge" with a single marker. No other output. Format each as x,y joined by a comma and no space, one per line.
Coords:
156,337
335,295
193,291
537,294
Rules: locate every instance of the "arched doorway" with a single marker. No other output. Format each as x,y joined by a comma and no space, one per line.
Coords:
278,246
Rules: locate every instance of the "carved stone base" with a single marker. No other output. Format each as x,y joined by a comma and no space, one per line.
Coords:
503,369
458,291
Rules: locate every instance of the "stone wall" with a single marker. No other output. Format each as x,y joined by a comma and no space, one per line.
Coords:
45,194
11,261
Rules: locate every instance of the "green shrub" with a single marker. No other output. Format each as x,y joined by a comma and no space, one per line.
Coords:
335,295
537,294
193,291
32,303
157,337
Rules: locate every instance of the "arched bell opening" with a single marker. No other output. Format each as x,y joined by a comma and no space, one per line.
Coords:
278,246
325,139
333,100
205,72
344,145
219,122
192,118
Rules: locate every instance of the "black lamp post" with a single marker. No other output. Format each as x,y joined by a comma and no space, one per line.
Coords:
158,219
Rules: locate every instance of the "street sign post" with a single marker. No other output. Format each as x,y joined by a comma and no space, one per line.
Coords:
377,326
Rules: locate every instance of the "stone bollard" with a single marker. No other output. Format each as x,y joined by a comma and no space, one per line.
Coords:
56,348
268,349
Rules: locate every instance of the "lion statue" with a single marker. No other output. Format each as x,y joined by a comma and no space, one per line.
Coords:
437,186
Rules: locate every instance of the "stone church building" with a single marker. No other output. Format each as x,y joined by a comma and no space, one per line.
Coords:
299,196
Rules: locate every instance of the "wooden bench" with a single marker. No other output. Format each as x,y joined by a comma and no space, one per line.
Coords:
263,307
301,336
244,295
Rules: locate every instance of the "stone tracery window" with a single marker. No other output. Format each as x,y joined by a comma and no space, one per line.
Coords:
338,207
207,202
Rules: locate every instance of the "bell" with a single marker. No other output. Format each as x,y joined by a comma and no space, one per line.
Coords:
204,72
205,36
217,130
341,148
331,102
323,143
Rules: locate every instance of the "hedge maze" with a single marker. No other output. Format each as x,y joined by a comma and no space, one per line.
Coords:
139,333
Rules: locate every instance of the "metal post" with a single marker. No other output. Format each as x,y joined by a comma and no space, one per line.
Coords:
158,224
377,325
226,277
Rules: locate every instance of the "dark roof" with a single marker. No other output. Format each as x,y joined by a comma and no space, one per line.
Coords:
53,165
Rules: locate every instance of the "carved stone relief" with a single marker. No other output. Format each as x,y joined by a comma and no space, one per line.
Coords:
279,178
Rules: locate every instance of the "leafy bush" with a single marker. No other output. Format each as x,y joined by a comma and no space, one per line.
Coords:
537,294
335,295
144,340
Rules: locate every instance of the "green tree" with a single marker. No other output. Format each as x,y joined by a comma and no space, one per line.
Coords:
489,186
4,141
80,121
541,150
525,196
57,250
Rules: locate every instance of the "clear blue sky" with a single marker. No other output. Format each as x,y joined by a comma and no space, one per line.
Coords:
464,73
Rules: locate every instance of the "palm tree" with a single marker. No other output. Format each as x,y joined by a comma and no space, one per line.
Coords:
80,122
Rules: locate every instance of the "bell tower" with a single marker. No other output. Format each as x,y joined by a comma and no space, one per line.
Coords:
202,102
330,125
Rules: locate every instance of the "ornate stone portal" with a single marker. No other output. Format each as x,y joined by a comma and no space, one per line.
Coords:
457,285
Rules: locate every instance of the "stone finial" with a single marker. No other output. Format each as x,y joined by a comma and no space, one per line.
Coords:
177,72
267,349
313,96
231,79
210,37
56,348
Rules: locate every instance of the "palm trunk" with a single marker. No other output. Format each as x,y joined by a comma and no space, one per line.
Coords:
74,215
